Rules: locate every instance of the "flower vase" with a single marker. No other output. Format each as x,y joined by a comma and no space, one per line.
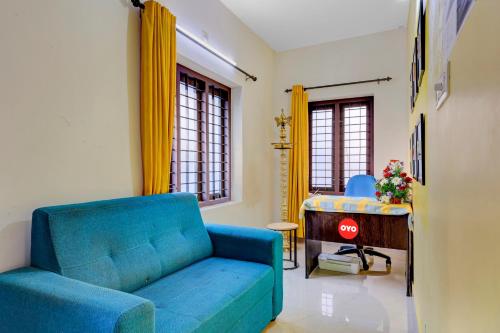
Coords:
396,201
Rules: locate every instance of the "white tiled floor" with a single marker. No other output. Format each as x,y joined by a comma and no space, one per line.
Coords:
373,301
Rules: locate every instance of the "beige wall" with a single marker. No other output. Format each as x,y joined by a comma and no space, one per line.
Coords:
69,121
68,114
373,56
457,286
252,104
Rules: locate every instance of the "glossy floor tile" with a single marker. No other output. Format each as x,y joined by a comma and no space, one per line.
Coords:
373,301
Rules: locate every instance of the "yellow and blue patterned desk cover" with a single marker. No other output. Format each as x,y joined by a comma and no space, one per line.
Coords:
361,205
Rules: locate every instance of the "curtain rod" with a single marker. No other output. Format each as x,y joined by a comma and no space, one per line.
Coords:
137,3
345,84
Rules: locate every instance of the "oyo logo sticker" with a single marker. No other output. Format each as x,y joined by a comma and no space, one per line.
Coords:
348,228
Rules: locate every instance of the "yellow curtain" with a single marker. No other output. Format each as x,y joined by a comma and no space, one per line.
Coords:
158,92
298,167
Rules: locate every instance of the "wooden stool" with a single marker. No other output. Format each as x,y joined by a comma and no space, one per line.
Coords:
292,229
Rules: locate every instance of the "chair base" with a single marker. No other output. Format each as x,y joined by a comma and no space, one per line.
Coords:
362,252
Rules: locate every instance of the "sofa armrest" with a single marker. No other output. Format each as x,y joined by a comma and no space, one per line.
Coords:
252,244
33,300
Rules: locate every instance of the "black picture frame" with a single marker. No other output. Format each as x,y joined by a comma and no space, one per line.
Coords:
412,90
414,78
418,61
413,156
419,153
420,43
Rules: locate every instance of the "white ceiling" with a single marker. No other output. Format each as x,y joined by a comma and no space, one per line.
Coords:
290,24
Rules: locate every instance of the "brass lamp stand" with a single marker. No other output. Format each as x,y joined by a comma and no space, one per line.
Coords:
284,226
283,147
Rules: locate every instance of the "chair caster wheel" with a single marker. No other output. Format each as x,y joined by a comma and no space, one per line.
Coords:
366,267
388,262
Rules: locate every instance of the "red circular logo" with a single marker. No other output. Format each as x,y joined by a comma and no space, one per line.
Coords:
348,228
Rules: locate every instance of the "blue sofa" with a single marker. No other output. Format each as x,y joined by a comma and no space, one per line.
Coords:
142,264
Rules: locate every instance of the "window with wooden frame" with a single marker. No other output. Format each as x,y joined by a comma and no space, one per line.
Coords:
340,143
201,154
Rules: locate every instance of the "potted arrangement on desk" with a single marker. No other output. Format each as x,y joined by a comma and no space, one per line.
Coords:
395,187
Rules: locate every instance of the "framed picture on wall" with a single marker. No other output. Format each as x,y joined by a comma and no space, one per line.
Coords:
420,150
418,61
420,43
415,72
412,89
413,155
413,78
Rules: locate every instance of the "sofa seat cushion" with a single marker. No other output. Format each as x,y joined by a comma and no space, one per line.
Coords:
211,295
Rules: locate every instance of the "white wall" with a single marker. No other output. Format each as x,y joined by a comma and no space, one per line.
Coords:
69,108
373,56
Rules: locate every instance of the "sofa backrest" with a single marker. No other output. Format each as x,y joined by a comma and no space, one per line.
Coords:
122,244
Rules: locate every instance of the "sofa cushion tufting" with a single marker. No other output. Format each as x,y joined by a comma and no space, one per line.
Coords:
124,244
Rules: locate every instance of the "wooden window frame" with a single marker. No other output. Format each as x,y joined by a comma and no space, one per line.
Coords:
205,198
338,141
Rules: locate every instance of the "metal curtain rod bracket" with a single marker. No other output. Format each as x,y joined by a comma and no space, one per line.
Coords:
137,3
345,84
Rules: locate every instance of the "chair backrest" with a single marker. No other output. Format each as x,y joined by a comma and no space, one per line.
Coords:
122,244
361,186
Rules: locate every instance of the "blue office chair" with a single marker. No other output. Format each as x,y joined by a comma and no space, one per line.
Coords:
362,186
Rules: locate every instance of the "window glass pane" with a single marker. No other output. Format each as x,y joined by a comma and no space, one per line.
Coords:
322,148
218,144
355,142
190,133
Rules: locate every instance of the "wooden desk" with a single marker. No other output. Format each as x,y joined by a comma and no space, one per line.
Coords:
389,231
